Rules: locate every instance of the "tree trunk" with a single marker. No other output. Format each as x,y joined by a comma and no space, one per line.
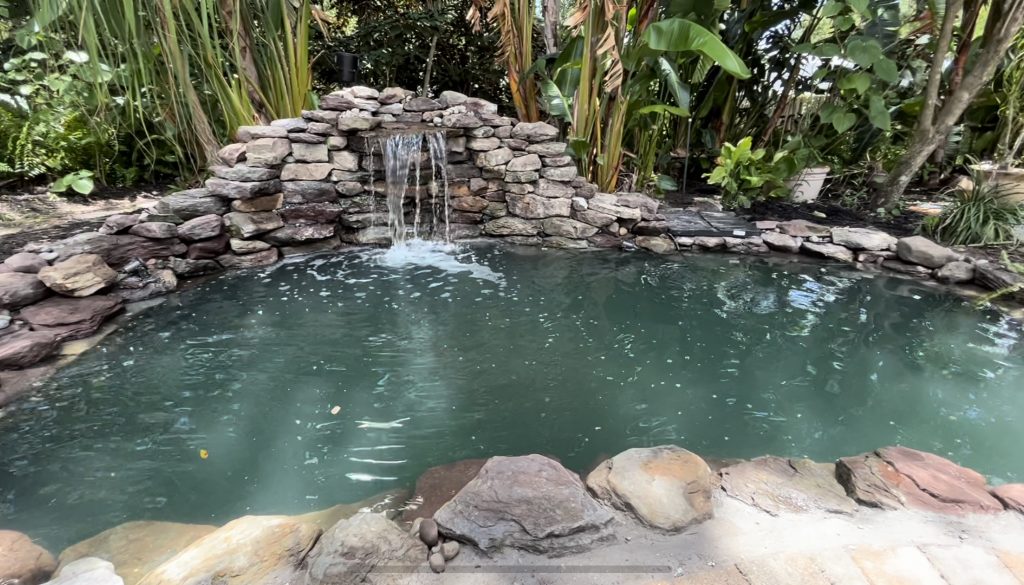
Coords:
425,89
552,14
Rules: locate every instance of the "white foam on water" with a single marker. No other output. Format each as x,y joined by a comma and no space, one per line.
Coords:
443,256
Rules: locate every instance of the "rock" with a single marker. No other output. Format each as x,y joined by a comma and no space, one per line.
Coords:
312,213
363,92
520,176
1011,495
291,124
749,245
252,550
466,120
25,348
439,484
708,242
22,561
136,548
25,262
18,289
247,225
322,129
307,172
568,228
70,318
800,228
608,204
530,503
87,571
554,189
778,485
564,243
899,477
450,550
118,223
535,132
557,161
248,246
494,158
345,160
249,133
530,162
119,249
154,230
428,532
665,487
535,207
304,138
656,244
357,123
906,268
875,257
781,242
955,273
139,288
471,204
483,144
201,228
766,224
594,218
515,144
187,268
232,154
994,277
648,207
208,249
244,173
393,95
291,235
436,562
422,104
480,106
267,152
240,190
78,276
559,173
862,238
547,149
309,192
265,203
354,547
511,226
828,251
921,250
311,153
191,204
336,142
252,260
324,116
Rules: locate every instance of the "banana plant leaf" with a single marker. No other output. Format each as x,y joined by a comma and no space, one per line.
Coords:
680,35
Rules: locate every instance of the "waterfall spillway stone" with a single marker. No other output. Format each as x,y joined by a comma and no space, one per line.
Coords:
403,152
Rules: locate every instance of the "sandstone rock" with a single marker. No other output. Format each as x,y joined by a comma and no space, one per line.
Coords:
648,206
534,132
70,318
524,240
191,204
201,228
563,243
608,204
656,244
78,276
304,138
480,106
567,228
994,277
955,273
247,225
312,247
472,204
322,129
208,249
87,571
249,133
252,550
393,95
554,189
267,152
1011,495
461,231
709,243
119,249
481,132
511,226
749,245
439,484
312,213
25,348
25,262
450,549
778,485
530,503
800,228
530,162
483,144
422,104
828,251
352,548
559,173
23,561
371,236
248,246
345,160
244,173
291,235
906,268
187,268
436,562
306,172
291,124
519,176
357,123
336,142
494,158
921,250
665,487
18,289
325,116
781,242
557,161
252,260
241,190
862,238
310,153
154,230
547,149
900,477
594,218
118,223
535,207
136,548
603,240
876,257
309,192
232,154
466,120
139,288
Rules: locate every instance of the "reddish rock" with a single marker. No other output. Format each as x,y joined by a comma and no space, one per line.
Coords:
900,477
120,249
78,276
70,318
208,249
25,348
253,260
201,228
777,485
439,484
26,262
1011,495
801,228
18,289
22,561
312,213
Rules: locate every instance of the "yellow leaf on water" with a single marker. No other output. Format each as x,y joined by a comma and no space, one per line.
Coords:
203,454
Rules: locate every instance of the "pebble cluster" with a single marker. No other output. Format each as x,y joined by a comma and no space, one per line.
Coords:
439,550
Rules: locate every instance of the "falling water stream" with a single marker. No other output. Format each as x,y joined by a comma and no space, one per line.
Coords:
402,152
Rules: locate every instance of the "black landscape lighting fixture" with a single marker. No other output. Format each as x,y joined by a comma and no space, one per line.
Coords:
347,66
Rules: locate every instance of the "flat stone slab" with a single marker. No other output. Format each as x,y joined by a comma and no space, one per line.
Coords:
777,485
905,565
689,223
969,565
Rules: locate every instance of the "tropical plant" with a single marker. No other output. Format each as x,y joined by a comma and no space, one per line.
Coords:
1011,107
514,20
979,215
746,174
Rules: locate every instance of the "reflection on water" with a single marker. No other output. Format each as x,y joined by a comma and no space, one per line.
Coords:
331,379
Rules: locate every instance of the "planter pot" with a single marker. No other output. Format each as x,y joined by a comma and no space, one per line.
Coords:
806,185
1010,180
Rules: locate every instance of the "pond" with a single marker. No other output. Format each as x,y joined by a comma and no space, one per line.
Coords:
330,379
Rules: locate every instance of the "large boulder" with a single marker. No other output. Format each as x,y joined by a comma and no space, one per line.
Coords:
71,318
439,484
250,260
18,289
22,561
299,233
87,571
534,131
955,272
781,242
26,262
900,477
353,547
530,503
118,250
535,207
511,226
567,228
665,487
778,485
1011,495
801,228
201,228
190,204
827,251
26,348
247,225
862,238
78,276
252,550
921,250
136,548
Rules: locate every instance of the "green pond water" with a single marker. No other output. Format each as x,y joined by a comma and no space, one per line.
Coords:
433,356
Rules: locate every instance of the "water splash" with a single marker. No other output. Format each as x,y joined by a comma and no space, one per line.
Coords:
443,256
402,151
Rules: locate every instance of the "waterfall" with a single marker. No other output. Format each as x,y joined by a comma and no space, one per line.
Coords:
402,152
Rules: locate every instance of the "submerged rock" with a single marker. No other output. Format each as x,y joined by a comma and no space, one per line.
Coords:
352,548
439,484
22,561
530,503
777,485
665,487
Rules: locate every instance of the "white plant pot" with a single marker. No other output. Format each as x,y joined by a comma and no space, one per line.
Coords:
806,186
1010,180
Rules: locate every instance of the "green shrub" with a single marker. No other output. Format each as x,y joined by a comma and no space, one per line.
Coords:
979,215
747,175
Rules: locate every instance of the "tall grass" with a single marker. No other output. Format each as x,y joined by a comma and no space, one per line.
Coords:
979,215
